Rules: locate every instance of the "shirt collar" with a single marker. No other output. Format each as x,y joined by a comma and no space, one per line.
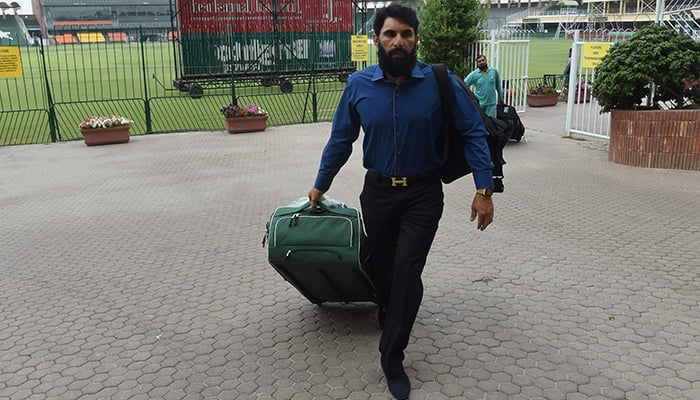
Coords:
416,72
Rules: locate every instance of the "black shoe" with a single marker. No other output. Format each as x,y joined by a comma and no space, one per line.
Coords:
399,386
381,317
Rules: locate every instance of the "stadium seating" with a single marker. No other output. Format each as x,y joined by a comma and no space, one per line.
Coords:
66,38
115,37
91,37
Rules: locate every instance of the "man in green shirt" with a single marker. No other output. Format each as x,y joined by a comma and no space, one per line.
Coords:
487,86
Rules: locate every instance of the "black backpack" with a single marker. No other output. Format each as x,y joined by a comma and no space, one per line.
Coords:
510,116
454,164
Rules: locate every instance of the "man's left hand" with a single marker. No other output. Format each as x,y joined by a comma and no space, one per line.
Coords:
482,207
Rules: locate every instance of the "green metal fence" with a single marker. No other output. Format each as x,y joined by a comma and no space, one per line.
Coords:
139,79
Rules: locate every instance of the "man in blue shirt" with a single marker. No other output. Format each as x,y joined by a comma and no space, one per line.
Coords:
397,105
487,86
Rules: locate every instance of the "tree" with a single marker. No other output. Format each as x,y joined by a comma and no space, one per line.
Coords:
410,3
448,29
654,54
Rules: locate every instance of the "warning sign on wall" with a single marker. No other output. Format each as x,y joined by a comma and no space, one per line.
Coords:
10,62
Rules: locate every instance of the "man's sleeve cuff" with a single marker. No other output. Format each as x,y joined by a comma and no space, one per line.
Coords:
322,182
482,179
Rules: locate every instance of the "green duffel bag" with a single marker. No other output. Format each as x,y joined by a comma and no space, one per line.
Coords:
322,253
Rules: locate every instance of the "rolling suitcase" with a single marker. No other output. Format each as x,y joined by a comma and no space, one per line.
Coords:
321,252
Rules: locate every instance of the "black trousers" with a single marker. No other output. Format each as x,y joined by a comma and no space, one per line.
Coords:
401,223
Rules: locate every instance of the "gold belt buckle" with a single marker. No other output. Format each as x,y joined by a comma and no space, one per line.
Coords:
403,181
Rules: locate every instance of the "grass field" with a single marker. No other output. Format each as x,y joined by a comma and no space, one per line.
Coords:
547,56
115,79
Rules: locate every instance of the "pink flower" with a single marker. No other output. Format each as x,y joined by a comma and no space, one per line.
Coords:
233,111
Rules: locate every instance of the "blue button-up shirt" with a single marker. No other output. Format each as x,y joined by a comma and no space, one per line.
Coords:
401,125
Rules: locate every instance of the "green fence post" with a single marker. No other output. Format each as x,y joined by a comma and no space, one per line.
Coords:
146,100
233,86
314,99
49,99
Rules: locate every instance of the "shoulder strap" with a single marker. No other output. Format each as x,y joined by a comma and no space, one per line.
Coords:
443,81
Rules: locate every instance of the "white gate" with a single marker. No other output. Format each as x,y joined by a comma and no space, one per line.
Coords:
510,58
583,115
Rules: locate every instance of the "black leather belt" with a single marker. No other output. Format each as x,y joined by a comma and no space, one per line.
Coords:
402,181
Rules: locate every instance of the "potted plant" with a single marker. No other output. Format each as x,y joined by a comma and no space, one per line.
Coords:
649,84
250,118
105,130
582,94
542,96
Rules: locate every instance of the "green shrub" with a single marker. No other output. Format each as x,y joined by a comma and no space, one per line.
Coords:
448,29
654,54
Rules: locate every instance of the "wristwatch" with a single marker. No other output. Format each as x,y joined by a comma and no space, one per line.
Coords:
487,191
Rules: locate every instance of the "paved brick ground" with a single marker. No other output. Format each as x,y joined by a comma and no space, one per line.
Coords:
136,271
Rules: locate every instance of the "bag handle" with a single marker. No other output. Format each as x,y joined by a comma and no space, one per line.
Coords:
324,204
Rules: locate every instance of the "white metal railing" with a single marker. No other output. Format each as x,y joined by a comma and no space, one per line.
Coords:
583,115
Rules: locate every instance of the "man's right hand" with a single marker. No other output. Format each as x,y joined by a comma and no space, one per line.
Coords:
314,196
482,207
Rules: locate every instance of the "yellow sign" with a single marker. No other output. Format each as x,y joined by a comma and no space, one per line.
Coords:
360,48
10,63
593,53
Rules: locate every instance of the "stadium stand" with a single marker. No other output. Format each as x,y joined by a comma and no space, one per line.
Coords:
11,32
91,23
498,17
598,17
502,12
60,16
32,24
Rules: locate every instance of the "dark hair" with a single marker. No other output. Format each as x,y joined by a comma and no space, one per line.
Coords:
479,56
403,14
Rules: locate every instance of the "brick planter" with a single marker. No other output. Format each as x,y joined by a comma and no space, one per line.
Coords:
656,138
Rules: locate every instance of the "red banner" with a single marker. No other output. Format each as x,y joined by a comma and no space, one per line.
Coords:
257,16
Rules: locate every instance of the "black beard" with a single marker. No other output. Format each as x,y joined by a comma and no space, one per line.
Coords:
484,68
399,67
